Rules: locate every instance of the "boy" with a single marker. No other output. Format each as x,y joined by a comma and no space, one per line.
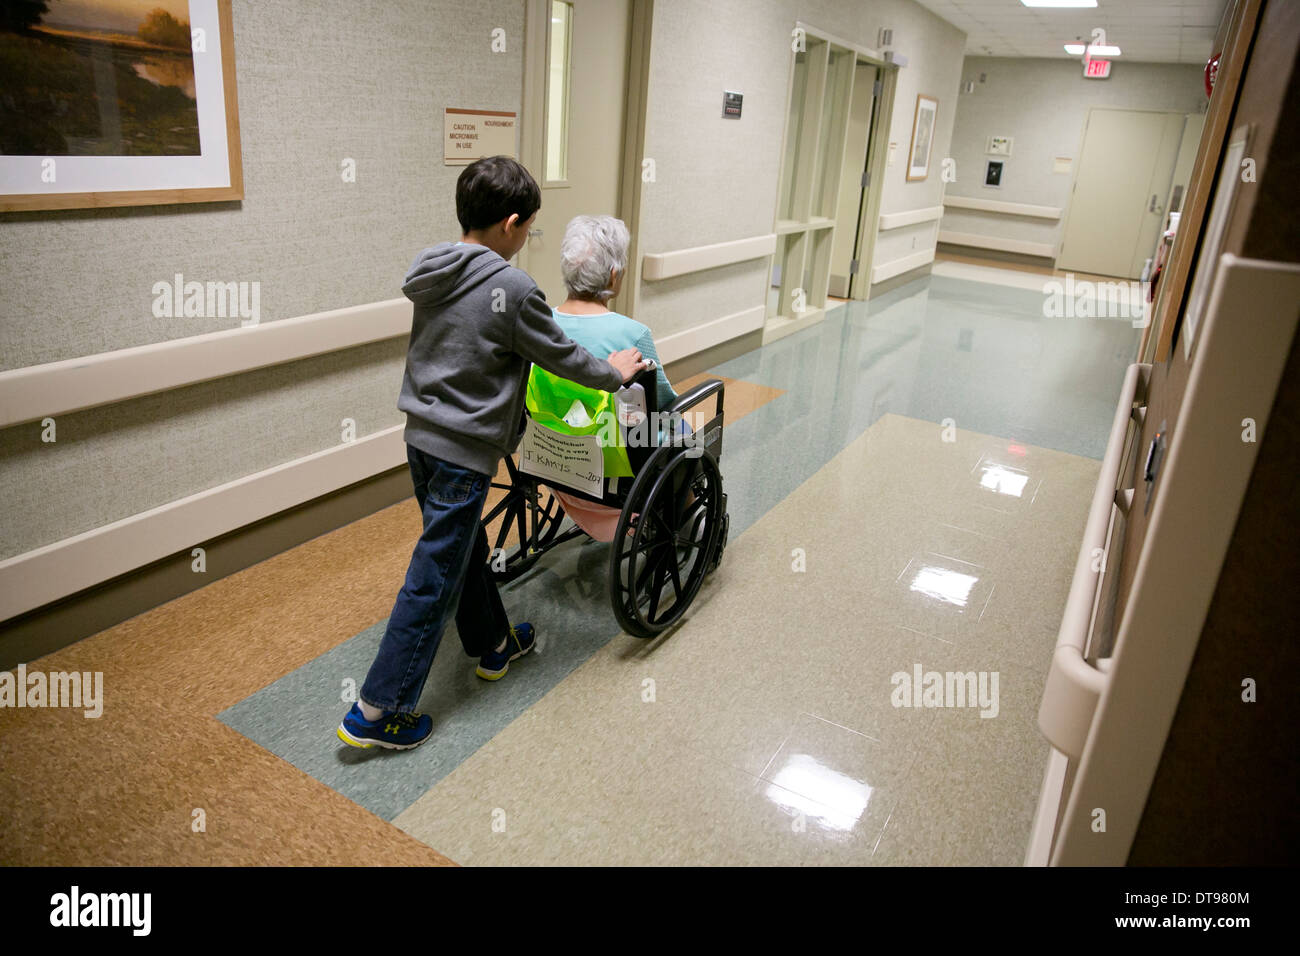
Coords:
478,323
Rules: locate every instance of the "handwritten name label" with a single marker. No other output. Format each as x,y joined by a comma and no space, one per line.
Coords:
570,461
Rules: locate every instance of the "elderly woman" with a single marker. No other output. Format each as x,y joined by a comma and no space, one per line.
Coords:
593,259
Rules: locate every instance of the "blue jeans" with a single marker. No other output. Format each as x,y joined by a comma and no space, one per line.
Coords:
448,575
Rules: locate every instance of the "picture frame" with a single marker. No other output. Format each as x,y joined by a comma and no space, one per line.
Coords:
923,124
170,133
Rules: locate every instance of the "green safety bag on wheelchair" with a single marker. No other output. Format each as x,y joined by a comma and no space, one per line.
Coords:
573,409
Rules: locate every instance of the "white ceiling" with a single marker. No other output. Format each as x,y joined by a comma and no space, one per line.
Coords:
1150,31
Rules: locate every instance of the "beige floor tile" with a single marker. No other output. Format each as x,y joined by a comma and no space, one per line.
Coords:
969,797
690,810
776,696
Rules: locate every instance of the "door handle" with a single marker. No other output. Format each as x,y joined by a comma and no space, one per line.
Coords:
534,233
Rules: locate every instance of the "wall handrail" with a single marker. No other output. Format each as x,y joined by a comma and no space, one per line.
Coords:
71,385
909,217
1073,685
1007,208
667,265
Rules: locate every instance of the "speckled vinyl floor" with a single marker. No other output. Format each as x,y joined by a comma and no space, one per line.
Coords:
908,481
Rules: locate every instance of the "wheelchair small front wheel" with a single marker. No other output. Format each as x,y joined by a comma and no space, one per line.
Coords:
521,527
666,536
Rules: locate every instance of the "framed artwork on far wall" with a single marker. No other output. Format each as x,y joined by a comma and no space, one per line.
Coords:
918,157
118,103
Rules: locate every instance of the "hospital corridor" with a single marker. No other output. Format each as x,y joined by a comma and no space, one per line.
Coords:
648,433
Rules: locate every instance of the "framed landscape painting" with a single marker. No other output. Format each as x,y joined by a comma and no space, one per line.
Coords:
117,103
918,157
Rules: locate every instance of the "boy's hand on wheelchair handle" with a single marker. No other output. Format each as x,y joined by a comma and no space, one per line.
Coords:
628,362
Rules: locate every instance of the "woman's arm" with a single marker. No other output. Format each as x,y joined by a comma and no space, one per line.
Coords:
664,391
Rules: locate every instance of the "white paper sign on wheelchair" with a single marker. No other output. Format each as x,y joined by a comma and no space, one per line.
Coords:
570,461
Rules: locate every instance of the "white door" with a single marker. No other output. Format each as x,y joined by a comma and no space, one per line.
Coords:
1120,191
575,97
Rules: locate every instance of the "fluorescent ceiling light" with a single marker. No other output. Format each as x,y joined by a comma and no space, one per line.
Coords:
1059,3
1076,49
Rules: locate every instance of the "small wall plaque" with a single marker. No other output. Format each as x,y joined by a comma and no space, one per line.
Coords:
731,103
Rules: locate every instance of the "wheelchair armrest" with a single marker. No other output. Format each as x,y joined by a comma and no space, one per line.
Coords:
696,395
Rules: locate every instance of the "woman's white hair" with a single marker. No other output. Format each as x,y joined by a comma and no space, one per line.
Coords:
592,246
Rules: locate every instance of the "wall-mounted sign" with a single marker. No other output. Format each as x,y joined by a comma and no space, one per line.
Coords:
1095,69
999,146
472,134
731,103
993,173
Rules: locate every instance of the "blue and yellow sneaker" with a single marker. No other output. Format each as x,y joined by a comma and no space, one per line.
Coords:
493,665
397,731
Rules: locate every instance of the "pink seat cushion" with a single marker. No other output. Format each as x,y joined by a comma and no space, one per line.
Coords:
599,521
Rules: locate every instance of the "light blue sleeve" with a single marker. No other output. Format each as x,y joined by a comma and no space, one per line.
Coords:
664,391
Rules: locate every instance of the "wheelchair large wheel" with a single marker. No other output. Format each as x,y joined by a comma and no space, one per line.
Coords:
530,519
664,542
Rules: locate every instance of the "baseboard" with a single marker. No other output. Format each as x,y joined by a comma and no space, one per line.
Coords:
49,628
35,578
885,285
997,243
901,266
997,255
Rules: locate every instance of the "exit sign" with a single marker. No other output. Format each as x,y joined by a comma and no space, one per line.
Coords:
1095,69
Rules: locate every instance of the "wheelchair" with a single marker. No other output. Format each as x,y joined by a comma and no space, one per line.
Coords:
672,511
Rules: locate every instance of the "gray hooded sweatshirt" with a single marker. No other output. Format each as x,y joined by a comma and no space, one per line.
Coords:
478,324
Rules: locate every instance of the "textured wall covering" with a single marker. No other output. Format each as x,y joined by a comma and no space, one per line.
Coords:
717,179
317,83
117,460
1043,104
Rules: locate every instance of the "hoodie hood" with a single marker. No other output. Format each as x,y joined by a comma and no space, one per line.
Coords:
448,270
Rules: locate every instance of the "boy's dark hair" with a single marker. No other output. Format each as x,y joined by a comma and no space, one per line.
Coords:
492,189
